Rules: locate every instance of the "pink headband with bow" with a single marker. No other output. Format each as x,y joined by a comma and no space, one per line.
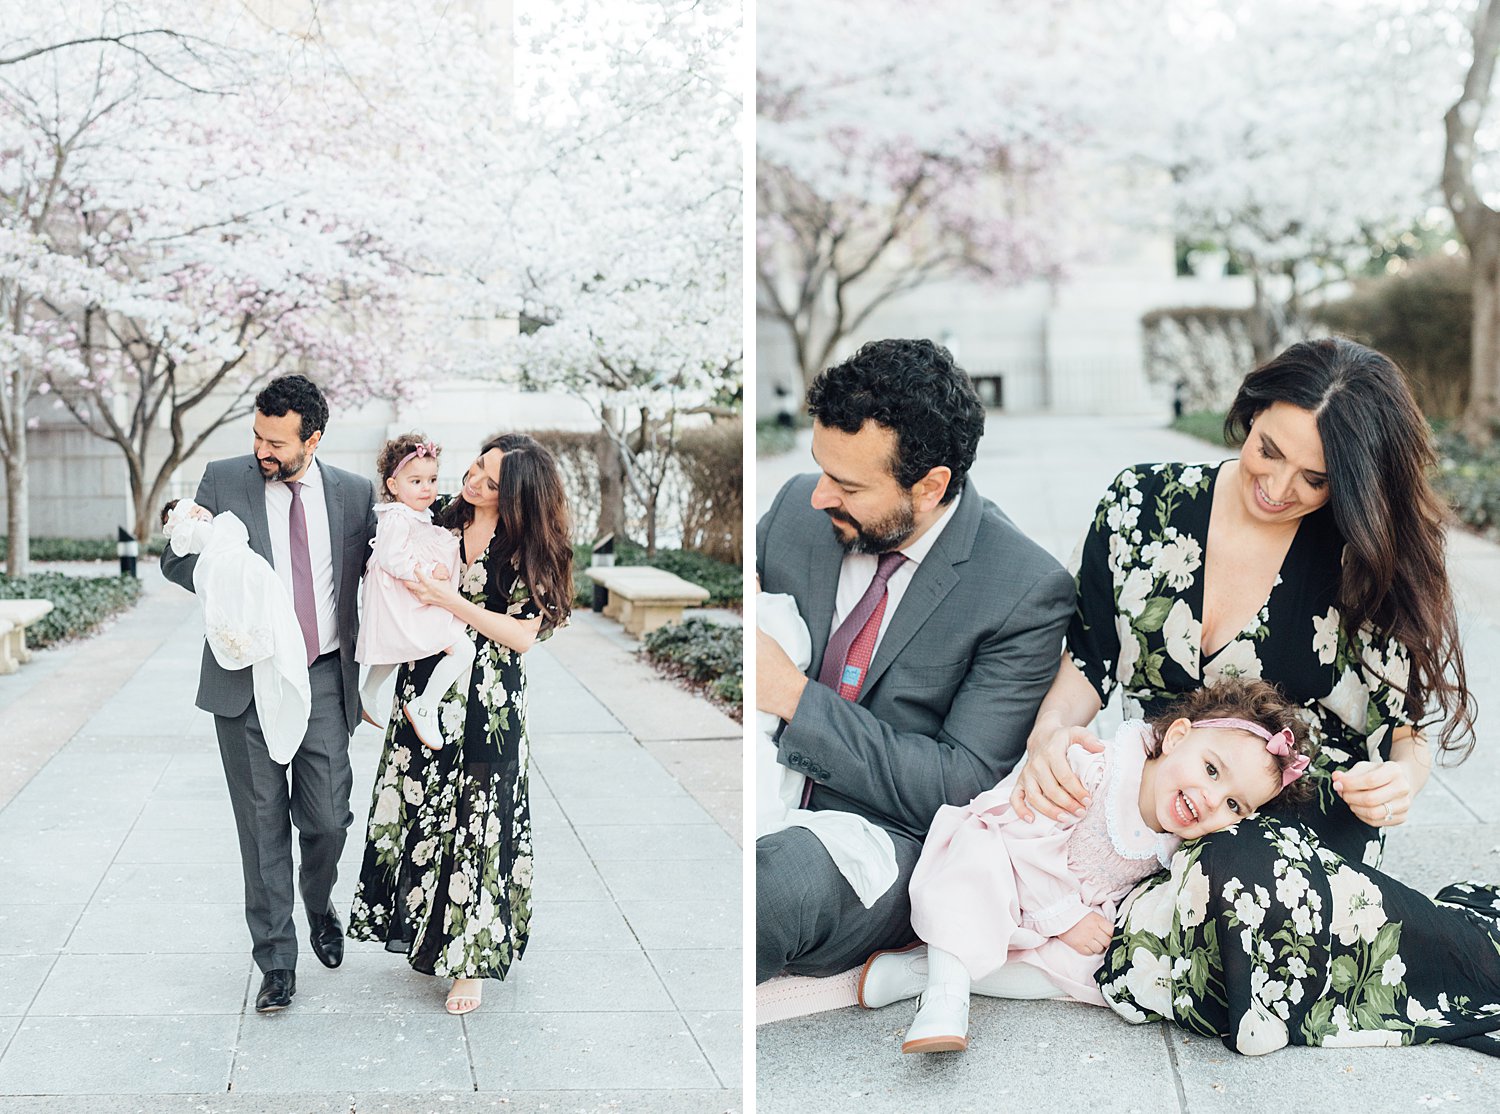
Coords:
426,448
1279,744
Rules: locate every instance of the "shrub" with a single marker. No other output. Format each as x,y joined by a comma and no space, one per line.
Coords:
1469,479
772,438
712,463
79,603
84,549
1421,319
1199,353
710,655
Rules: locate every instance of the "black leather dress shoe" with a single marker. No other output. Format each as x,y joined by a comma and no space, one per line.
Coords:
327,939
276,991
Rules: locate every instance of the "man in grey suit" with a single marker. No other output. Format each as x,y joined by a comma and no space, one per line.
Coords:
313,523
936,629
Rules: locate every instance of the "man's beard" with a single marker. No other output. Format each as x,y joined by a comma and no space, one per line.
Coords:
878,537
284,470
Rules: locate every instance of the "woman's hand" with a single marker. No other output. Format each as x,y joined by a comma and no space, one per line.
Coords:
1090,936
435,593
1379,793
1047,781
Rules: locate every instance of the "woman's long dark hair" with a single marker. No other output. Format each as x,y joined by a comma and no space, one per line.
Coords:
533,534
1378,453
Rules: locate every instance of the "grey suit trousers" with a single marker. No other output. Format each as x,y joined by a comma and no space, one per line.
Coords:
808,920
266,806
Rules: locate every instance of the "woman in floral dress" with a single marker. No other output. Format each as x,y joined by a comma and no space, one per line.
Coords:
447,870
1315,561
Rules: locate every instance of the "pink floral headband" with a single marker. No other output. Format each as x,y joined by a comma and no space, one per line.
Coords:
426,448
1280,744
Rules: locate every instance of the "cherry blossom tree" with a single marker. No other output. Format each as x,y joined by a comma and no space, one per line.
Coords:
626,225
926,146
298,217
1299,135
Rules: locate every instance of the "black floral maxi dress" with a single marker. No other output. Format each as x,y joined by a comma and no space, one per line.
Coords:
447,869
1282,929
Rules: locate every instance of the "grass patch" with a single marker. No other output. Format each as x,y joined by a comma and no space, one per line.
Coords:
1206,425
79,603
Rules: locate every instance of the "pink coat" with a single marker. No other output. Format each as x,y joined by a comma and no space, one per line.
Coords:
994,889
395,628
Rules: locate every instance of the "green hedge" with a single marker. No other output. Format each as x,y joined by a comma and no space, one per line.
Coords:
773,439
83,549
1469,479
79,603
724,581
709,655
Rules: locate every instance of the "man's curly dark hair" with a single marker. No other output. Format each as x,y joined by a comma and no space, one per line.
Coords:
295,393
914,388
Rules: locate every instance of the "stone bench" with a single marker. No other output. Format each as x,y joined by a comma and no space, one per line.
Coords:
17,615
642,598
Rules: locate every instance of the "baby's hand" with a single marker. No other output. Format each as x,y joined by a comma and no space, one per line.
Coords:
1090,936
439,572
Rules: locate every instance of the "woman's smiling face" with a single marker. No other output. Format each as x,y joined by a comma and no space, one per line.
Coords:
482,481
1282,472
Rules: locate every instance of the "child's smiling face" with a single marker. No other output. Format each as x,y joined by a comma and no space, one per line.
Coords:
416,483
1207,779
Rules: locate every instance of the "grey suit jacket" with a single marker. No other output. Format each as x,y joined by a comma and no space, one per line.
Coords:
956,680
236,485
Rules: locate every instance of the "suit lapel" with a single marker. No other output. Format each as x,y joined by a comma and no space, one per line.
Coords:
934,579
333,497
258,526
825,559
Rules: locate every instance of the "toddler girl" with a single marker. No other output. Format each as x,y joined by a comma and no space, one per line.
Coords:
992,890
395,628
248,619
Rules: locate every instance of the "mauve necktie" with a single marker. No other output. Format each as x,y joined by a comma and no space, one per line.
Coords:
302,581
849,651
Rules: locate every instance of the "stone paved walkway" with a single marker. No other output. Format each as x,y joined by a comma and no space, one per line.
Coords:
125,978
1048,473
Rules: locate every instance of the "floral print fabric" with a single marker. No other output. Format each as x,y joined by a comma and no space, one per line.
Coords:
1281,929
447,869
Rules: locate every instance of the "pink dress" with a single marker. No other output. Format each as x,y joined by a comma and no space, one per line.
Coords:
994,889
395,628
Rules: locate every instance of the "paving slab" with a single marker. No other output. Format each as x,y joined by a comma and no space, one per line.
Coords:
21,976
158,985
299,1051
128,1055
586,1051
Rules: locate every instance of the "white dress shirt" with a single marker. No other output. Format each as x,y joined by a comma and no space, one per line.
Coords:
858,569
319,547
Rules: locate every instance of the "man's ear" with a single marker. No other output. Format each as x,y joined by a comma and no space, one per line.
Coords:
927,493
312,442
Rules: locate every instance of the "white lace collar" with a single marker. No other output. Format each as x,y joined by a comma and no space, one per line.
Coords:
1128,832
396,505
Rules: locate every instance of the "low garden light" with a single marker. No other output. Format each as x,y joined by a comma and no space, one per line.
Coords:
128,550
